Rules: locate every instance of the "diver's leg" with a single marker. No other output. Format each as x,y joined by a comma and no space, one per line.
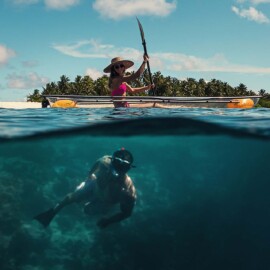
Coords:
46,217
78,195
82,192
91,198
70,198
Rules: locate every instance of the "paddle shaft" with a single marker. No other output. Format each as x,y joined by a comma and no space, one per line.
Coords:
148,65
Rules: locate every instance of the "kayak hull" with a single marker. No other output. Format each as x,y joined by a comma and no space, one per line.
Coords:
77,101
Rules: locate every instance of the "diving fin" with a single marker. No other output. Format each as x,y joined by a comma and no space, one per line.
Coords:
46,217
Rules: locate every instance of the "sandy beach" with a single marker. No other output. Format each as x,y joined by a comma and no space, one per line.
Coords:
20,105
37,105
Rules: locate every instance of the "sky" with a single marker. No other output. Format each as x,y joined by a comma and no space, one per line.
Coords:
41,40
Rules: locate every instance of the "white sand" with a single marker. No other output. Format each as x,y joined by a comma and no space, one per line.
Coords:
20,105
31,105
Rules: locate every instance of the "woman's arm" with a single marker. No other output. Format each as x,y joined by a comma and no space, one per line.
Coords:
139,89
138,73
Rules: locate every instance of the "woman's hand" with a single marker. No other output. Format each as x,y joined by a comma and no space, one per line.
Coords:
151,86
145,58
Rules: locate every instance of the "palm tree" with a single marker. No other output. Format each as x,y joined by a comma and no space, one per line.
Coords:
88,86
165,86
50,89
262,92
35,97
241,90
101,86
63,85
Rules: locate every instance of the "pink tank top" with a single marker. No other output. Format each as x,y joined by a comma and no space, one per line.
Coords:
120,91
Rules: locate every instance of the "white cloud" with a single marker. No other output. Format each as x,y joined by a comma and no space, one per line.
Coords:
217,63
24,2
61,4
251,14
93,73
253,2
31,80
83,49
51,4
118,9
29,64
5,54
94,49
159,61
257,2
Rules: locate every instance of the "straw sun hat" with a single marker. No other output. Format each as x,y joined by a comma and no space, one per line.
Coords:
117,60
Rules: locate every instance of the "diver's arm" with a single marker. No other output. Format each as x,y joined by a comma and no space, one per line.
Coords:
126,211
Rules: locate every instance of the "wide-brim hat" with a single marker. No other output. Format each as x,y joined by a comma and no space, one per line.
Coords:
117,60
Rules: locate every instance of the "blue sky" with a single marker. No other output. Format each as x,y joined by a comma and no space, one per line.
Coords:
40,40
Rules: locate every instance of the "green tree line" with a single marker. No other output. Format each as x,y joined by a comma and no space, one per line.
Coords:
165,86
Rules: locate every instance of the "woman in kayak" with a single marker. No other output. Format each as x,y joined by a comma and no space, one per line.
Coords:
118,81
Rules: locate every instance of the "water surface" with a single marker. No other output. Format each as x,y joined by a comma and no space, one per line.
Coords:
201,176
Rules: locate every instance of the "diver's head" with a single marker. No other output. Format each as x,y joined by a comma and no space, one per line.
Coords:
122,161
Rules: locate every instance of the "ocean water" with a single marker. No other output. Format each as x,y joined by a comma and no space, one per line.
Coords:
202,180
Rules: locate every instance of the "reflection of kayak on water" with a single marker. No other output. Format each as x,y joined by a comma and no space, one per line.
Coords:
78,101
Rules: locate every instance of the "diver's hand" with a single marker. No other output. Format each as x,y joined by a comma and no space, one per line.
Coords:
103,223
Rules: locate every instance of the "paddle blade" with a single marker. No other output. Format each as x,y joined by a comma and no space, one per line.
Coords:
45,218
141,29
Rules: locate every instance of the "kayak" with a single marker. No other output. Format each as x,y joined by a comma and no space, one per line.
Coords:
79,101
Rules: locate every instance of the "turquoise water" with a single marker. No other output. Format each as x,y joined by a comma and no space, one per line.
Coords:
202,178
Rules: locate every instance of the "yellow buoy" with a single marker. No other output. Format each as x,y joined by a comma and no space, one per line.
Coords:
64,103
245,103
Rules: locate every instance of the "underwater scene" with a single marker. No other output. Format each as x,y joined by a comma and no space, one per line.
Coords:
201,177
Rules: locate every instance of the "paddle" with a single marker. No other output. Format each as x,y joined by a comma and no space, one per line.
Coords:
145,52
